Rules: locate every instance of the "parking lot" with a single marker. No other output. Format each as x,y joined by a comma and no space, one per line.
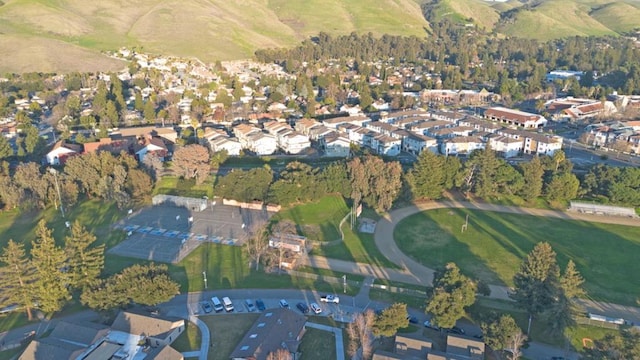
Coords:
167,233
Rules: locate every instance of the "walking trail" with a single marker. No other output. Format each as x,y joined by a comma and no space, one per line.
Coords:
412,272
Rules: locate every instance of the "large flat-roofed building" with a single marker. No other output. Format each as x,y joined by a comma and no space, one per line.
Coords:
515,117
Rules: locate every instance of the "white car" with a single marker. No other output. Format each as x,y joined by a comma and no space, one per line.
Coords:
330,299
316,308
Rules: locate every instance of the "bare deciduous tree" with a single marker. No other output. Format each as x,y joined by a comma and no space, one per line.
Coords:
192,161
280,354
257,244
361,336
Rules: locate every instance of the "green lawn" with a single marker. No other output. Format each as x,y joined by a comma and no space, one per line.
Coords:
494,245
319,220
226,331
97,216
173,185
318,344
227,267
189,340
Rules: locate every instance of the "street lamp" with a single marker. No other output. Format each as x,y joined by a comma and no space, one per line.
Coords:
204,274
55,177
344,284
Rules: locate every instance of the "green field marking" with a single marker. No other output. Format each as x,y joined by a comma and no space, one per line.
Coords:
494,245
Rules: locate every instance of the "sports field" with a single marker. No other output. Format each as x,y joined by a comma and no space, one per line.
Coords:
494,244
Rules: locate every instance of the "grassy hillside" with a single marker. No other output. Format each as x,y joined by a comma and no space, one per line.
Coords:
465,11
556,18
544,19
619,16
208,29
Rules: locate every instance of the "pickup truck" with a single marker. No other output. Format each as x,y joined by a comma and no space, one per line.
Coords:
330,299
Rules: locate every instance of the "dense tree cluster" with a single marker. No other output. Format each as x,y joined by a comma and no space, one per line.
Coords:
391,319
139,284
47,277
514,67
452,293
541,289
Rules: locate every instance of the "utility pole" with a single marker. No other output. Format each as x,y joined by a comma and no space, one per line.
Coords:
344,284
204,274
55,177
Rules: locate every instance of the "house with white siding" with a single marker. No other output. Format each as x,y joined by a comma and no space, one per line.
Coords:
261,143
294,142
386,145
505,146
461,145
336,145
416,143
230,145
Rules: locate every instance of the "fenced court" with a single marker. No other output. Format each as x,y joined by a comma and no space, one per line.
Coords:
598,209
169,232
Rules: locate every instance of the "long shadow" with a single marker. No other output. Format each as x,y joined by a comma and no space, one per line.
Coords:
450,250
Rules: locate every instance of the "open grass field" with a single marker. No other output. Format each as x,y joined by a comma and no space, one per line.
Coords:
494,245
227,267
319,221
318,344
173,185
358,247
226,331
95,215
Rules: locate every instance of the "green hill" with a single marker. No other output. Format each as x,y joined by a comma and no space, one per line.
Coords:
208,29
541,19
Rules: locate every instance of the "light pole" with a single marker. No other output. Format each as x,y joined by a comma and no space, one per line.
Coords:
55,177
204,275
344,284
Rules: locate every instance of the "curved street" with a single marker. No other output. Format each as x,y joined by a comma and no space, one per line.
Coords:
386,244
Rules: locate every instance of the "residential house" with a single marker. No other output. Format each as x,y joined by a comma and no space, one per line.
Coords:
131,336
572,109
416,143
506,146
336,145
294,142
167,133
150,145
382,128
479,125
275,329
318,132
304,126
114,146
396,116
61,151
406,347
261,143
244,131
542,144
230,145
426,126
355,120
461,145
515,117
386,145
452,117
158,331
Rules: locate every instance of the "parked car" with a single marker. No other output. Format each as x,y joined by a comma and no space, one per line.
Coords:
330,299
412,319
302,307
430,325
217,304
206,307
316,308
260,305
284,304
249,305
456,330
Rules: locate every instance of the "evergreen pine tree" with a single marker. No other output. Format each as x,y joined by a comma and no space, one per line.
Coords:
50,285
85,262
17,276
